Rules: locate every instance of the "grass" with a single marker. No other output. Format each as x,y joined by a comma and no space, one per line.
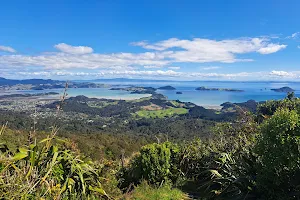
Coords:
161,113
146,192
140,100
102,104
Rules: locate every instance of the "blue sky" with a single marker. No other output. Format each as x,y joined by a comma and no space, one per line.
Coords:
158,39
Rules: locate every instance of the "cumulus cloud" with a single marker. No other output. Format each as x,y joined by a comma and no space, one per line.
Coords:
164,54
89,61
282,74
110,73
211,68
165,74
201,50
145,45
73,49
271,48
174,67
7,49
152,66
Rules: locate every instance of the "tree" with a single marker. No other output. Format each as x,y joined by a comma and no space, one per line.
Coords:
291,96
278,150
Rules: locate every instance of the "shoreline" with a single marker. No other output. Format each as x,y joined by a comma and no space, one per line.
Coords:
127,97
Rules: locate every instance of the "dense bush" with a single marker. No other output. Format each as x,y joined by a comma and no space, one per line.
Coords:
244,159
278,148
156,163
49,171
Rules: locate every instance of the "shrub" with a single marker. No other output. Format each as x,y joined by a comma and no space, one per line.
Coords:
156,163
278,149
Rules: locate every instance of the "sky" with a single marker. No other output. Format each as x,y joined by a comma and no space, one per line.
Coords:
157,39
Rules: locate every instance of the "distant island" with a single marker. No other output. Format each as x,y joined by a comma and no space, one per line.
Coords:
283,89
27,95
168,87
137,90
218,89
70,85
178,92
42,84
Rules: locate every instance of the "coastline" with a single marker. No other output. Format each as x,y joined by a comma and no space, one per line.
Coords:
213,107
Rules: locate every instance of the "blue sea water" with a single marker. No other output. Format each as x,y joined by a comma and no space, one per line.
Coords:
258,91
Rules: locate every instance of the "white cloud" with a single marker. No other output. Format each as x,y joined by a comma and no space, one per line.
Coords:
152,66
282,74
7,49
117,73
201,50
73,49
294,35
211,68
145,45
162,54
271,48
298,47
89,61
174,68
159,74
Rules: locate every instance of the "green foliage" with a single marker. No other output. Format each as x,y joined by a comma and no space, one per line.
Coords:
146,192
169,112
278,149
216,174
156,163
269,108
223,166
244,159
48,171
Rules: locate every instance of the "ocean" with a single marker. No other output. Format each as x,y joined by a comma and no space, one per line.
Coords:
258,91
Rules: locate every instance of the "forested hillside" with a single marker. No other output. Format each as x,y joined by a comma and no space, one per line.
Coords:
254,155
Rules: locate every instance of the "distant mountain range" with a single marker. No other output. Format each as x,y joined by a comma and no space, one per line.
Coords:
4,81
41,84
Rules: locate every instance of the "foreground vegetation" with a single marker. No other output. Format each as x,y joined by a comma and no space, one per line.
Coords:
256,156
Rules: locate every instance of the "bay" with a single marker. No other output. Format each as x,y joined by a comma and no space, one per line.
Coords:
258,91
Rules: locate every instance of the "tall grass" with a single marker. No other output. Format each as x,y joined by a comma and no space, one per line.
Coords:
49,169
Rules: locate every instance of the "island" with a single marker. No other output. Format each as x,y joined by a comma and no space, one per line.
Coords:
137,90
283,89
178,92
218,89
42,84
70,85
168,87
27,95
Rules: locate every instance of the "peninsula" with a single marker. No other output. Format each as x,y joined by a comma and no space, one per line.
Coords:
218,89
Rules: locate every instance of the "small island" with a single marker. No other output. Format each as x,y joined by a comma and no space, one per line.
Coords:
283,89
137,90
178,92
218,89
168,87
